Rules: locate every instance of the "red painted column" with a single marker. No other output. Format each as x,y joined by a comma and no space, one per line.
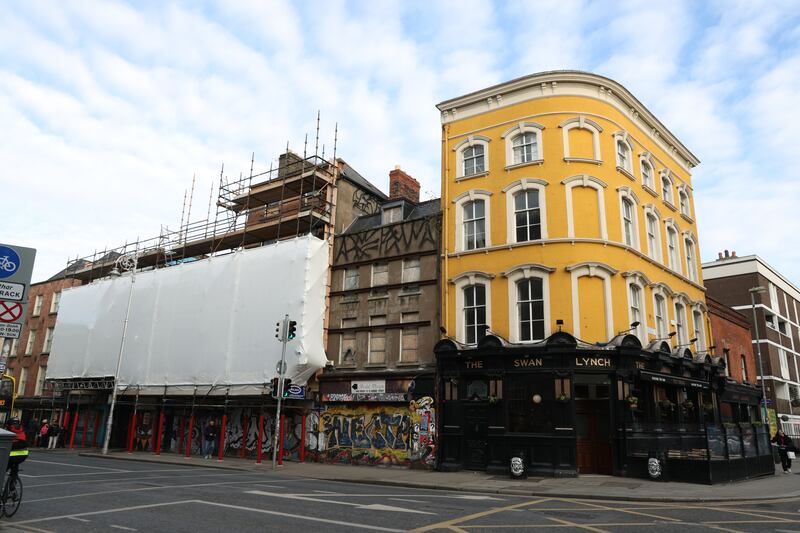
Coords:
96,428
74,427
260,438
65,423
159,432
221,451
243,449
280,439
132,432
85,429
302,456
189,437
183,434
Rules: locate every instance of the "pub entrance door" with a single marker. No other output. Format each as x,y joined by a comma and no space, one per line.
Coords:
476,425
593,424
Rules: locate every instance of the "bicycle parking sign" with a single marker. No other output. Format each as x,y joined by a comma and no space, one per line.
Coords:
16,268
9,262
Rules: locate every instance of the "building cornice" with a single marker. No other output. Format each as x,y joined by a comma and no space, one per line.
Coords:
563,82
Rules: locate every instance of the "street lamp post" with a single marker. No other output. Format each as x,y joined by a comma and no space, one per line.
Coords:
753,292
124,262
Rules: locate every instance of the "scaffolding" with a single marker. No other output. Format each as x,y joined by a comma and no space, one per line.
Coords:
293,198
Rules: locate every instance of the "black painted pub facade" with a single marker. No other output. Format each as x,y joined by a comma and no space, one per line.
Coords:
570,408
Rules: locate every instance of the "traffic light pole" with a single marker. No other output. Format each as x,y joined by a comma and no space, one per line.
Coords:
276,434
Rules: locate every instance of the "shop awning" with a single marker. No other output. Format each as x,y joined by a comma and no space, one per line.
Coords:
669,379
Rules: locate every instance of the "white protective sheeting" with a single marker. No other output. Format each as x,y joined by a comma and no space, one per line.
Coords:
208,322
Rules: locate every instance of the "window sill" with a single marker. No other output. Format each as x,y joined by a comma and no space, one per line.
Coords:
525,164
626,173
650,190
381,297
375,365
407,363
345,366
687,218
583,160
415,293
471,176
670,205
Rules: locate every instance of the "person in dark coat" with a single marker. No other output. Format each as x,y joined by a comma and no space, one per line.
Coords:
785,446
210,439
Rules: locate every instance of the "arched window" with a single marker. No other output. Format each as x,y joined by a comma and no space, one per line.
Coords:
647,174
627,221
691,265
530,309
474,310
680,324
474,162
684,203
672,248
624,155
660,311
474,224
652,237
525,148
666,187
527,217
636,309
594,225
699,330
572,153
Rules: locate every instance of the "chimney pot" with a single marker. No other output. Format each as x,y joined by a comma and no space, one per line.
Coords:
727,255
733,253
719,255
402,185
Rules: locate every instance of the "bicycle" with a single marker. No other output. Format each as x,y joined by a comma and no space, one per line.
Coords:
11,497
7,265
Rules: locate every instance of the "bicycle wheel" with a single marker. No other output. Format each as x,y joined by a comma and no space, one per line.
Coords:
12,496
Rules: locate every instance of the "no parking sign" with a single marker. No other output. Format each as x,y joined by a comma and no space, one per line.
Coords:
16,268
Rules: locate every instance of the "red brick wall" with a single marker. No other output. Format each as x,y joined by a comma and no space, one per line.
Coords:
401,185
730,329
40,323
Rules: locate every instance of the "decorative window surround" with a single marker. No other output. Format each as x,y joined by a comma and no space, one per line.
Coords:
626,173
470,141
623,145
592,269
625,193
674,255
583,123
690,255
462,281
472,176
518,129
526,164
525,184
651,212
459,201
698,320
597,162
584,180
649,190
667,185
519,273
646,160
636,309
660,293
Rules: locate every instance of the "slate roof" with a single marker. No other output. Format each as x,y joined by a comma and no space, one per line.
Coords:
420,210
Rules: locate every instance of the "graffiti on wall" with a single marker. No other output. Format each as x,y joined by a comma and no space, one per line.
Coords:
365,202
394,239
378,435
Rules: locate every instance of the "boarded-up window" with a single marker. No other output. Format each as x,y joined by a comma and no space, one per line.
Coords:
408,338
586,212
347,348
592,309
581,143
380,274
377,340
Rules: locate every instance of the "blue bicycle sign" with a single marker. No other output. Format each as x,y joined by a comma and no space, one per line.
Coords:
9,262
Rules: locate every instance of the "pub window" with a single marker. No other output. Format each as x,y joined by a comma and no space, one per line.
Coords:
496,389
582,392
477,389
531,400
451,389
667,403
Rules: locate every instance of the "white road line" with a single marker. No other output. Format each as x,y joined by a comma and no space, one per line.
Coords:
407,500
75,475
105,511
371,506
123,479
77,466
122,527
299,517
78,519
324,492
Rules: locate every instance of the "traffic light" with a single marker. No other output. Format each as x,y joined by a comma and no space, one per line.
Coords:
274,387
286,384
292,330
278,332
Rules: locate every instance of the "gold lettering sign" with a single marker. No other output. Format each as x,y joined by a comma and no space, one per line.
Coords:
595,362
521,363
474,364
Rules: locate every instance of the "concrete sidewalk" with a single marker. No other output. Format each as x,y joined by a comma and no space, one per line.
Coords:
593,487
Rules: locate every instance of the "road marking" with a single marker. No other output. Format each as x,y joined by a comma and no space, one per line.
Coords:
575,524
596,506
78,466
477,497
324,492
78,519
300,517
447,524
124,479
407,500
105,511
122,527
371,507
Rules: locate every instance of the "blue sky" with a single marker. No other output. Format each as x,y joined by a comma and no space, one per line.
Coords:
109,108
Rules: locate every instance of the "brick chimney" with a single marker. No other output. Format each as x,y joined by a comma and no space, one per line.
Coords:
401,185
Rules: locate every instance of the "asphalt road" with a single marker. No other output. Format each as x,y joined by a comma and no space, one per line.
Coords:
67,493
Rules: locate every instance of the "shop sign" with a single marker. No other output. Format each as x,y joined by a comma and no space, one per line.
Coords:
593,362
473,365
673,380
369,386
364,397
528,362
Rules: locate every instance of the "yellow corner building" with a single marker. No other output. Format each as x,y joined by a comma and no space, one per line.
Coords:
575,325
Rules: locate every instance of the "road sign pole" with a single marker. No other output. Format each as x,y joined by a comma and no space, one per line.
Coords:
279,392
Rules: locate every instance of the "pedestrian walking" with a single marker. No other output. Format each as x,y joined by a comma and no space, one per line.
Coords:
43,429
52,436
785,450
210,439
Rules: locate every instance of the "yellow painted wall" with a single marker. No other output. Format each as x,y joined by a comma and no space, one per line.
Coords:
558,251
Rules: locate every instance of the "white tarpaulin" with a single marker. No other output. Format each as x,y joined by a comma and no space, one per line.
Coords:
207,322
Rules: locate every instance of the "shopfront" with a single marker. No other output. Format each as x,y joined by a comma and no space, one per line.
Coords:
570,408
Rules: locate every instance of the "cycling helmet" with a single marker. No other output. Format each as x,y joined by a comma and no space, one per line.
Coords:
12,422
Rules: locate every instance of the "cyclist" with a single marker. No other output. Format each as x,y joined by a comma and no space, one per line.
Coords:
19,448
